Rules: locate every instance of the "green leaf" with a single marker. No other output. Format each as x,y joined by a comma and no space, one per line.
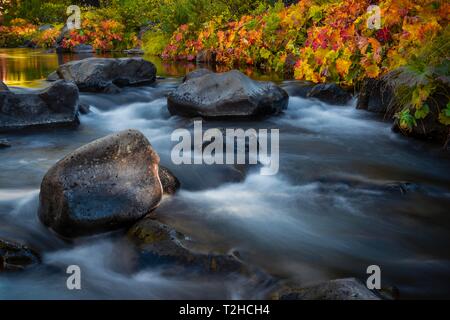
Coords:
422,112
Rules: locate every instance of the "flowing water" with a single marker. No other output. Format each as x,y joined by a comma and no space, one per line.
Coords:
323,216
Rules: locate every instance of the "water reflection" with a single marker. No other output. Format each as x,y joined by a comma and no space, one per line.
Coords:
25,67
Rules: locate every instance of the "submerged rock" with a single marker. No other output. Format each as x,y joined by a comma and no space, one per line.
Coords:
161,245
108,74
330,93
226,95
54,106
340,289
14,256
169,182
104,185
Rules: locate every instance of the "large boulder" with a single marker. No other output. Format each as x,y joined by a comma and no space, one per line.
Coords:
430,127
159,244
340,289
330,93
15,256
104,185
107,74
230,94
54,106
375,95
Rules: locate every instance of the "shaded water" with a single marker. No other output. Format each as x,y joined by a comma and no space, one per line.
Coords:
321,217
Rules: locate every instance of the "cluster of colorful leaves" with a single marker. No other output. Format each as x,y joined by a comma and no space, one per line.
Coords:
104,35
329,42
16,33
46,38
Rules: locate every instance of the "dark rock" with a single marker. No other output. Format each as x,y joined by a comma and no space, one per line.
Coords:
107,74
53,76
3,87
298,88
14,256
206,56
83,48
169,182
84,108
161,245
4,143
330,93
227,95
105,185
29,44
340,289
429,128
54,106
197,73
289,65
375,95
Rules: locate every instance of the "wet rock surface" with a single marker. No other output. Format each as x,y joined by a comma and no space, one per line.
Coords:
55,106
169,182
340,289
162,245
330,93
108,74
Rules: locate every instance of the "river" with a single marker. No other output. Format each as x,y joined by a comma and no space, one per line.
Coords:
319,218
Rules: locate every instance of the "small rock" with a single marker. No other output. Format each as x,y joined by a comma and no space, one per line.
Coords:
84,108
298,88
3,87
375,95
169,182
134,51
53,76
197,73
206,56
161,245
227,95
45,27
14,256
55,106
330,93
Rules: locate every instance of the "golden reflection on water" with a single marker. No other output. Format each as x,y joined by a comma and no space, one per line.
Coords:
24,67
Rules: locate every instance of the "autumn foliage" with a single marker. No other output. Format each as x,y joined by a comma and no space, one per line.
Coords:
327,42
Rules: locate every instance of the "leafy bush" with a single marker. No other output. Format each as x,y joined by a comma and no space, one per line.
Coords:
330,39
